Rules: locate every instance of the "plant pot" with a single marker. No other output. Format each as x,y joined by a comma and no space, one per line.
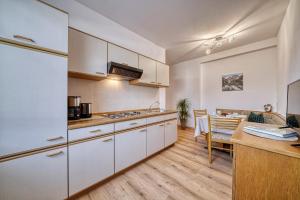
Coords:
183,124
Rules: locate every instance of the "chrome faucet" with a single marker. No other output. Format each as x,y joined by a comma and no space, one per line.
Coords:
150,107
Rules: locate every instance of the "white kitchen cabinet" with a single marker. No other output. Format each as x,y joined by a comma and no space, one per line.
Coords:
149,70
155,138
130,124
123,56
162,74
88,132
170,132
34,23
33,88
40,176
130,148
87,54
90,162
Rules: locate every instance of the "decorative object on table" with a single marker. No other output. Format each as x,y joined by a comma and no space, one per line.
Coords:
232,82
183,112
268,108
258,118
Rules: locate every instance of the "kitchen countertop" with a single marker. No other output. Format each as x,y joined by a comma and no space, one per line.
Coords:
98,119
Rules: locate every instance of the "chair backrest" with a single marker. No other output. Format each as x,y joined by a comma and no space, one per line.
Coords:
222,123
199,113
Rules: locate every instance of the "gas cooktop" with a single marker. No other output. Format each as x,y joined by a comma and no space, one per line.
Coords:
122,115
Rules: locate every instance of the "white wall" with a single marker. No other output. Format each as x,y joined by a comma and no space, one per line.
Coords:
202,82
259,71
288,53
110,95
184,83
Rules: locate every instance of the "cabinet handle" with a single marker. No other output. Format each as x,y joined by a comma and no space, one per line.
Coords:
134,123
108,140
153,82
101,73
161,125
55,154
96,131
144,130
55,138
20,37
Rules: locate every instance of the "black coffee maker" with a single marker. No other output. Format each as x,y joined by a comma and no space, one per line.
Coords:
73,107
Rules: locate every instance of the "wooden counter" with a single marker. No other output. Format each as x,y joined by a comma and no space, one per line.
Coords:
97,119
264,168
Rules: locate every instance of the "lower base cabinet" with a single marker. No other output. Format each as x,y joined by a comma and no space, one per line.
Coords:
90,162
170,132
130,148
155,138
35,177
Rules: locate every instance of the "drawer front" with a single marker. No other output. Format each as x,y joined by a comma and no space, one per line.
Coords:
129,124
171,116
34,23
82,133
40,176
151,120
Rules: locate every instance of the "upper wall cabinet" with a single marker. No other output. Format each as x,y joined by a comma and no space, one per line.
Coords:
162,74
120,55
33,23
87,56
149,70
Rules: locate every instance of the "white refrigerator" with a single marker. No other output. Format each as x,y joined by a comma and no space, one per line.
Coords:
33,124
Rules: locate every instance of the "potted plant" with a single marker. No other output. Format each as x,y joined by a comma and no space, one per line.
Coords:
183,112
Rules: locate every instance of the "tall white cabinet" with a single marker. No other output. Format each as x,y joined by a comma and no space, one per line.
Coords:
33,88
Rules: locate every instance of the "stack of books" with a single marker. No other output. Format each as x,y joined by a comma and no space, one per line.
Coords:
272,132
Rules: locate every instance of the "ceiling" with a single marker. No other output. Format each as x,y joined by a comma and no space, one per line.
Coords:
179,26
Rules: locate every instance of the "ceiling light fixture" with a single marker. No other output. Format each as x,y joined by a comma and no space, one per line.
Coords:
217,42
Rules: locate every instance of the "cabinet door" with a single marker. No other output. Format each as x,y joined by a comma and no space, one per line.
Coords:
120,55
40,176
155,138
149,70
130,147
87,54
34,23
33,89
162,74
90,162
170,132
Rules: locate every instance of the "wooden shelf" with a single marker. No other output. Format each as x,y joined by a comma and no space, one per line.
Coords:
86,76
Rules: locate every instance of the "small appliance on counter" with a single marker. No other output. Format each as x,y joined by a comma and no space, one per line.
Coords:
85,110
73,107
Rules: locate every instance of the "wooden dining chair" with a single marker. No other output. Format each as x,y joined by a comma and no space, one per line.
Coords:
220,130
198,113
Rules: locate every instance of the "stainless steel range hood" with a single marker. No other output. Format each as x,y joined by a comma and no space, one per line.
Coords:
119,71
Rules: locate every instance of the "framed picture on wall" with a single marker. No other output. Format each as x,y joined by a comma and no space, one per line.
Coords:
232,82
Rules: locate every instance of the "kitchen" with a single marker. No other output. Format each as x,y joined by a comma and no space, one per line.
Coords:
65,144
140,99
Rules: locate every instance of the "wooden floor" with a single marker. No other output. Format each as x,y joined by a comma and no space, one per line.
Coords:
180,172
